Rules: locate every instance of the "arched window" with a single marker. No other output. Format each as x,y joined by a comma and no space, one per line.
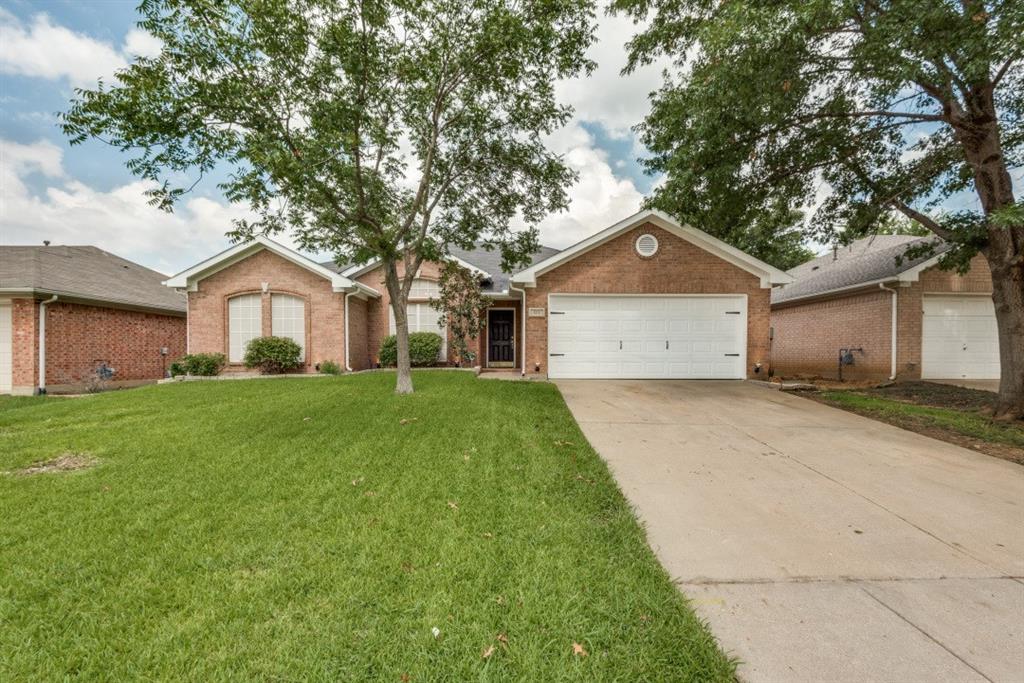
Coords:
244,318
288,318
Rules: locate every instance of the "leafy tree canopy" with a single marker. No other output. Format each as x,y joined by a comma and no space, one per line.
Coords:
384,129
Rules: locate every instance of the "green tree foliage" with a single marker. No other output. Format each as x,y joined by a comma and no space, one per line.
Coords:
375,129
463,308
885,104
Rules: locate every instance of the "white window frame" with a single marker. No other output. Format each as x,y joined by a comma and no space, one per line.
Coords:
423,288
285,322
242,329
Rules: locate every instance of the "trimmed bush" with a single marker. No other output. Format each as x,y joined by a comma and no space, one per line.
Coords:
199,364
424,348
272,355
329,367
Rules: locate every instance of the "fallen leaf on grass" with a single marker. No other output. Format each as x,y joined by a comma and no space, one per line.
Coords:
578,650
562,443
436,631
503,639
453,505
487,652
405,678
357,482
488,534
407,420
370,494
306,419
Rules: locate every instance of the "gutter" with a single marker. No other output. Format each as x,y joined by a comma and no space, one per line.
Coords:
348,366
41,389
511,288
892,361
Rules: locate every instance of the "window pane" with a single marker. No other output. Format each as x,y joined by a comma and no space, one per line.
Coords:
288,319
424,289
244,318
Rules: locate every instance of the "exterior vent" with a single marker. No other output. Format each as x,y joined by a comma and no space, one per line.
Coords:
647,245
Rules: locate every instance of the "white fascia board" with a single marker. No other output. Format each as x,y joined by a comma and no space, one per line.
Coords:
914,274
769,275
187,279
357,270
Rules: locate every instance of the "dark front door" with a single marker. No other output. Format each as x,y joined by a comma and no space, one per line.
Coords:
500,338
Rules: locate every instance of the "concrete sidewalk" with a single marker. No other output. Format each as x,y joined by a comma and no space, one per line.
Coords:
820,545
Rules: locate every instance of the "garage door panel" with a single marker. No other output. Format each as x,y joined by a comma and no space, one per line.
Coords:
647,337
959,338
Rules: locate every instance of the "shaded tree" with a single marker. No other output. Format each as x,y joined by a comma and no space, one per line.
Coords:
888,104
388,129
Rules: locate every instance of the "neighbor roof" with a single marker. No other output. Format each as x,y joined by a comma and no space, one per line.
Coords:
85,273
867,261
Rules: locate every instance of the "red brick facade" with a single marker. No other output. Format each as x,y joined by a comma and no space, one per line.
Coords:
80,337
678,267
809,334
266,274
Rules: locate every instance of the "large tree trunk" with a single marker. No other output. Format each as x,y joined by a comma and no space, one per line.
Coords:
1004,251
399,306
1008,296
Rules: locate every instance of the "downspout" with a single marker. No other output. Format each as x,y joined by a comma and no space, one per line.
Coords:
892,362
348,366
42,344
523,317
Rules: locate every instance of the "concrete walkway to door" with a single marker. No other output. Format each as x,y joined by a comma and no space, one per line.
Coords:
820,545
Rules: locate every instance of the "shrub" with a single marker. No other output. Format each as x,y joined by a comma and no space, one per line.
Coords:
424,348
272,355
329,367
201,364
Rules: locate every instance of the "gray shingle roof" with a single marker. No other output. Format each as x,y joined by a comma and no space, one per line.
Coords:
85,272
487,261
866,260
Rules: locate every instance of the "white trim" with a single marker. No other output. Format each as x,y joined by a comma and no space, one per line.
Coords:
348,359
522,367
515,347
743,328
363,269
42,343
893,327
769,275
189,278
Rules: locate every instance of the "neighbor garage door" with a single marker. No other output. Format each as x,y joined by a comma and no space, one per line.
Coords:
5,347
959,339
656,337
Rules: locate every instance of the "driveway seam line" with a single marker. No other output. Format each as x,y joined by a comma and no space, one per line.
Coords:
925,633
951,546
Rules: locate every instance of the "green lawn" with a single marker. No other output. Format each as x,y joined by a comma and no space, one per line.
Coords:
296,529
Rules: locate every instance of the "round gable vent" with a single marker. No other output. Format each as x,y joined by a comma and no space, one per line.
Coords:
647,245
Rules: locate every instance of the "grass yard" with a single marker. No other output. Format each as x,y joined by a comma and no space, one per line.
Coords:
945,412
320,529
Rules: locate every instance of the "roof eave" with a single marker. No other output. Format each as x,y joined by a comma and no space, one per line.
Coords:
910,275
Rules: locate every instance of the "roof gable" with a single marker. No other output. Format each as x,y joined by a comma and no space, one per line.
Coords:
189,278
769,275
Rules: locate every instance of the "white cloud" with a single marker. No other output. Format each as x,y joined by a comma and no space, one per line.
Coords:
42,49
67,211
616,102
599,198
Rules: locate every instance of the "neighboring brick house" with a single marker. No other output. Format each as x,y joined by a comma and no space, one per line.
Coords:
89,308
646,297
904,320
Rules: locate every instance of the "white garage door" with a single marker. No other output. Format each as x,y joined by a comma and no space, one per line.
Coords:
6,335
959,339
641,337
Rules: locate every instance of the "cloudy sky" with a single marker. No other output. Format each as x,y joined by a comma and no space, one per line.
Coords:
84,195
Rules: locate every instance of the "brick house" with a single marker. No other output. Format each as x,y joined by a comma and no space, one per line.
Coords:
67,310
903,320
646,297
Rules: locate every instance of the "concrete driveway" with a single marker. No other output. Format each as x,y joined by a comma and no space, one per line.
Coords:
820,545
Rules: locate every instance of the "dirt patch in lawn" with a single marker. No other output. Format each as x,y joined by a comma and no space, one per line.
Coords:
67,462
937,395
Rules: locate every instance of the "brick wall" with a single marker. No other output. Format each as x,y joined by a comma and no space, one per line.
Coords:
358,328
325,309
808,335
79,337
678,267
